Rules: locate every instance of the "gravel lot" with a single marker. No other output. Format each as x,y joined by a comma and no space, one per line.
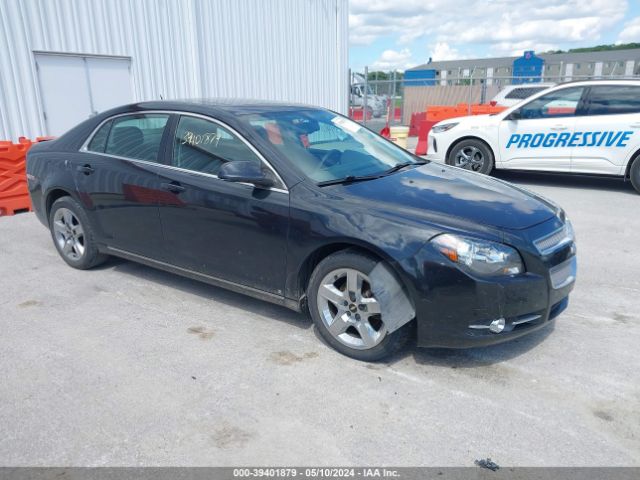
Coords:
126,365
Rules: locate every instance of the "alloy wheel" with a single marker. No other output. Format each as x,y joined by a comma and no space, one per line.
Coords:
349,310
470,158
69,234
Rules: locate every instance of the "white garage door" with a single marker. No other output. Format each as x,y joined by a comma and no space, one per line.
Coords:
73,88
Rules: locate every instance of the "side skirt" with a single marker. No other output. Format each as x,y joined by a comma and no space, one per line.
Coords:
215,281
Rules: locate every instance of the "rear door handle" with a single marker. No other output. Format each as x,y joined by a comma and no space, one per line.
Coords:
86,169
559,127
635,125
174,187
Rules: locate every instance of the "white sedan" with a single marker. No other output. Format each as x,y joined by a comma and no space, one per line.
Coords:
587,127
511,95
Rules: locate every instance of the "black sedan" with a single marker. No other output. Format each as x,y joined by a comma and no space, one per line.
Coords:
302,207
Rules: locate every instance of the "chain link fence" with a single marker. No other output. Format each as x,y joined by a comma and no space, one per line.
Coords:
380,98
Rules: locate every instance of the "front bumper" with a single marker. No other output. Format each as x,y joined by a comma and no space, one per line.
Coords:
435,152
455,310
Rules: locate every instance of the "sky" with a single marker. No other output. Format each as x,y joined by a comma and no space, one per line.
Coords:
400,34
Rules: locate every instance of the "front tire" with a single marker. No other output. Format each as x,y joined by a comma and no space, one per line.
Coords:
72,234
472,154
634,174
345,311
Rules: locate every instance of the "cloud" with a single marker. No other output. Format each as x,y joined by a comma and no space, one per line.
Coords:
515,49
362,33
499,25
394,60
443,51
630,32
372,19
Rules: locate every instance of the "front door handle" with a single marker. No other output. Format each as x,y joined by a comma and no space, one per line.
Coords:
635,125
559,127
86,169
174,187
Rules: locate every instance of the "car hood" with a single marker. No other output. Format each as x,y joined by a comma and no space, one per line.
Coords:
451,192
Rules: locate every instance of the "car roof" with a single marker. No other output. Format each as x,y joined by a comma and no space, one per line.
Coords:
618,81
234,106
529,85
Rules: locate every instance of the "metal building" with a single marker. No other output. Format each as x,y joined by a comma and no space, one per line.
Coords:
531,67
64,60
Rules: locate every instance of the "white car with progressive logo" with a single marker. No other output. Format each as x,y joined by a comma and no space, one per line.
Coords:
586,127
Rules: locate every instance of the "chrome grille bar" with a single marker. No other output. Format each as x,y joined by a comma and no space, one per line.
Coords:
554,240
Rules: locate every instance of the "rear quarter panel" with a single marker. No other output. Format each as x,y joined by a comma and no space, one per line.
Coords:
48,170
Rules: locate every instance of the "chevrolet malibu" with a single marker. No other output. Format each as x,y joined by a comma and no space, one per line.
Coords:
302,207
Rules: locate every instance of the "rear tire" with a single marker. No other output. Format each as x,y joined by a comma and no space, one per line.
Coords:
72,234
355,329
634,174
471,154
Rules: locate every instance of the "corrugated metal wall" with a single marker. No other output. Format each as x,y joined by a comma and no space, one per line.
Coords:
292,50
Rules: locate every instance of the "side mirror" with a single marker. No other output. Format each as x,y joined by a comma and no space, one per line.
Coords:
515,115
245,172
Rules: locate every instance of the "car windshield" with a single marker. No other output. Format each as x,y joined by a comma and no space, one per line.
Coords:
328,147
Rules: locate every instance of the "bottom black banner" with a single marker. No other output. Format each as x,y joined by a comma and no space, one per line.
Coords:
482,471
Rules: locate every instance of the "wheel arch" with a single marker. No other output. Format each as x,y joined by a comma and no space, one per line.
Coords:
312,260
53,195
635,156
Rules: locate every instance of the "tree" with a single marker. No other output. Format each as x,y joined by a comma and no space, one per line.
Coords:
599,48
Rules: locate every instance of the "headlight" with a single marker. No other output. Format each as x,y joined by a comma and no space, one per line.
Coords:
570,231
564,218
481,257
444,127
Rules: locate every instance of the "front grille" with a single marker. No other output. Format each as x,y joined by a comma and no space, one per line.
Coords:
555,240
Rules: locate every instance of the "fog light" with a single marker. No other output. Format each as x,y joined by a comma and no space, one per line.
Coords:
497,325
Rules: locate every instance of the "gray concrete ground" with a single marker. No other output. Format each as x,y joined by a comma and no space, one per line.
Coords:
126,365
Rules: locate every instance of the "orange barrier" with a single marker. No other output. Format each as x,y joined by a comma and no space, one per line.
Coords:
437,113
414,125
357,114
397,114
444,112
14,196
423,135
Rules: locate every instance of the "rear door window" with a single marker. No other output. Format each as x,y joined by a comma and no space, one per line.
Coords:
137,136
613,100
